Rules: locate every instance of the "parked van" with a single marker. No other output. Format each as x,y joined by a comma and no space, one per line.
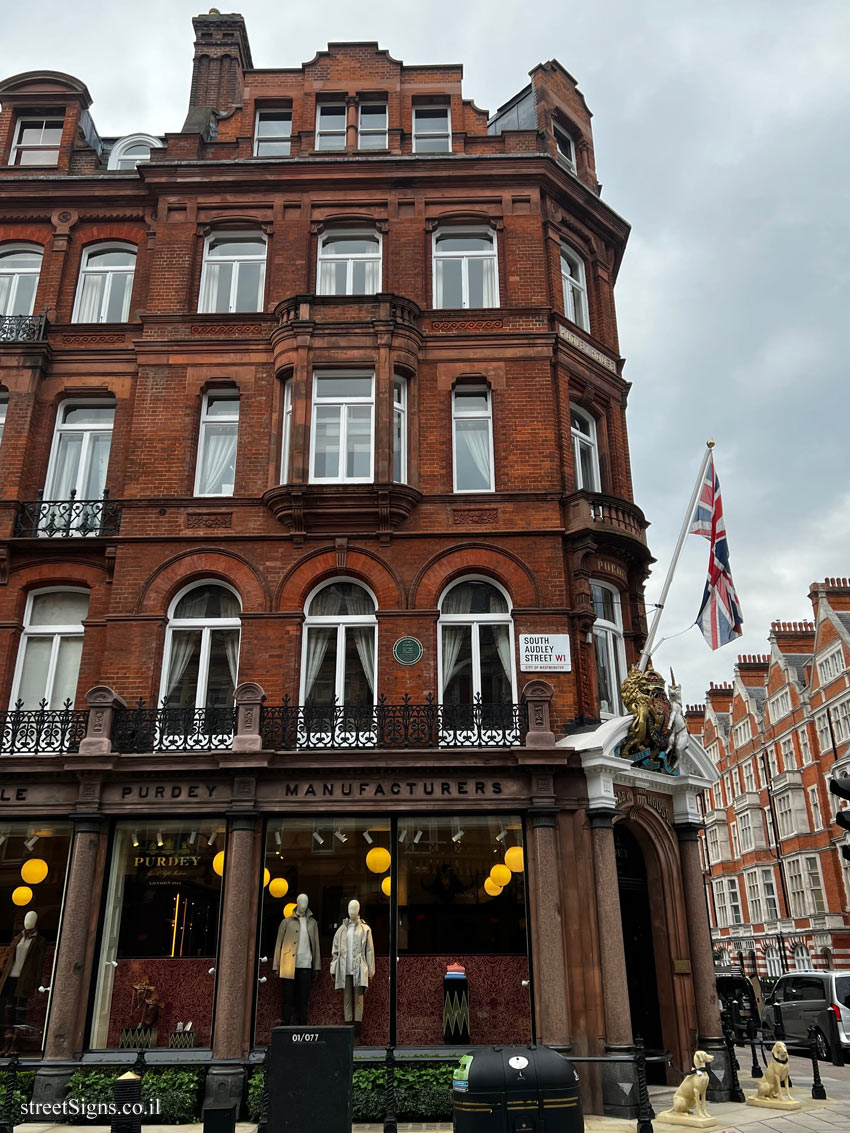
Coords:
805,999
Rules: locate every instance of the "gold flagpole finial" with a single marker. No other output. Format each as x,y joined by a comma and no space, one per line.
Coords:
710,444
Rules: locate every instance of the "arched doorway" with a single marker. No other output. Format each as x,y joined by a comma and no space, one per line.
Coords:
635,911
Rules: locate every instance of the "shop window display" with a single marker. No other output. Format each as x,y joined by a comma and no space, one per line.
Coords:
160,935
33,868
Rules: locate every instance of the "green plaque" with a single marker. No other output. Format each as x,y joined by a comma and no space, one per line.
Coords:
408,650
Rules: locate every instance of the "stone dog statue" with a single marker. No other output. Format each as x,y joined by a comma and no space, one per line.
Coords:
774,1084
691,1095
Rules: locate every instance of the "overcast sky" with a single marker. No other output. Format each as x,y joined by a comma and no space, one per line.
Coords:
721,135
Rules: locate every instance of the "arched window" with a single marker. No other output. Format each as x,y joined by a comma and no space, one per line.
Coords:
349,263
234,273
128,152
802,958
773,961
201,658
465,269
50,650
575,287
340,639
105,285
19,271
585,450
608,647
476,644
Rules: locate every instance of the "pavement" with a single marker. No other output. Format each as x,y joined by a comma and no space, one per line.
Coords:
831,1116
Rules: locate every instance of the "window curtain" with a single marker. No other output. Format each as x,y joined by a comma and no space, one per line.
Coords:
337,601
477,441
231,649
371,276
455,602
318,640
92,287
64,478
183,642
219,459
489,283
364,640
502,637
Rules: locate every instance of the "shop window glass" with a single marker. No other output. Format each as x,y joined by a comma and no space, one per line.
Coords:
448,918
33,868
325,859
160,934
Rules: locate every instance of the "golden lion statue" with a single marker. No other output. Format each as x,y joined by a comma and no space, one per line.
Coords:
643,695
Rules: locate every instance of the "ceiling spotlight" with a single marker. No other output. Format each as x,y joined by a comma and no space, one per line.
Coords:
135,838
30,842
338,834
192,837
367,837
402,834
212,838
318,838
502,835
457,837
416,837
159,837
277,837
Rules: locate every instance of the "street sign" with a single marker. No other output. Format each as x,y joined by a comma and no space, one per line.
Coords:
544,652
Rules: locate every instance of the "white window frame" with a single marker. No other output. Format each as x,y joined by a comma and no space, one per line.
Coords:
276,139
369,132
612,632
116,155
206,626
473,415
789,755
6,252
342,622
286,441
464,257
841,719
773,961
736,913
736,845
55,631
720,905
785,816
475,621
224,237
824,736
562,135
589,441
342,403
745,829
224,394
802,958
400,391
110,272
814,807
574,287
59,428
4,408
742,732
349,259
780,705
814,883
321,134
754,897
18,146
831,665
805,747
797,890
767,882
420,133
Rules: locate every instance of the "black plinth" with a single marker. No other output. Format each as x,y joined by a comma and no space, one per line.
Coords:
309,1073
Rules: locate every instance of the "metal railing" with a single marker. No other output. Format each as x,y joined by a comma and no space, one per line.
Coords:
22,328
173,728
289,727
68,519
42,730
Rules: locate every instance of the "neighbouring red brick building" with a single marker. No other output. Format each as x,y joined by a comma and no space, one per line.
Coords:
777,883
316,530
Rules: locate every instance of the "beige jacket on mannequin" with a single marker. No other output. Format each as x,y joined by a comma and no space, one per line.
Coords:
286,945
364,953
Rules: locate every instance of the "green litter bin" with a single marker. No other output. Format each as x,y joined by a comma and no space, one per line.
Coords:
516,1089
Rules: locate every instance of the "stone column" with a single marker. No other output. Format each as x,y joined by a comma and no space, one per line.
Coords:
550,974
619,1083
71,971
710,1033
235,972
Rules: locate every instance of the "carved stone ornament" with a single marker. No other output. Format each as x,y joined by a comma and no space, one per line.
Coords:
653,740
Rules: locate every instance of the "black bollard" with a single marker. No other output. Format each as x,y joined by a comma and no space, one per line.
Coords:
127,1093
818,1089
756,1071
7,1114
390,1122
729,1037
645,1110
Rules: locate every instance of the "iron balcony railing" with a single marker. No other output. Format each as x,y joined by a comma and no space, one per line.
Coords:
173,728
22,328
68,519
289,727
42,730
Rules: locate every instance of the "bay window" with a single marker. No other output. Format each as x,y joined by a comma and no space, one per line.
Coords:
574,287
50,650
465,269
585,450
286,446
4,405
234,274
216,469
399,430
105,285
608,647
349,263
341,437
20,267
472,431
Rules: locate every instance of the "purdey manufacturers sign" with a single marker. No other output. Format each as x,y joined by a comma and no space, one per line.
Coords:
544,652
396,788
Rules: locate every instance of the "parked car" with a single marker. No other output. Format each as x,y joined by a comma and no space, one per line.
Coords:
738,1000
804,999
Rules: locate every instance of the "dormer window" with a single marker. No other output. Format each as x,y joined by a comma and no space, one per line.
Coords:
273,133
566,147
37,141
128,152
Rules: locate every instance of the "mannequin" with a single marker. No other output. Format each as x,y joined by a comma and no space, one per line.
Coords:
297,960
21,976
353,964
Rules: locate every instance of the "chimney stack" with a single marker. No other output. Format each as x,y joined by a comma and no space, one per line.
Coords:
222,56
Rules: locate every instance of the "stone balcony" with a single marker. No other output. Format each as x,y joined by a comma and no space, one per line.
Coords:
617,524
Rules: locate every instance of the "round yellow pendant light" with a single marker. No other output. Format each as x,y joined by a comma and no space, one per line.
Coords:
266,878
279,887
491,887
514,859
34,871
289,909
500,875
378,860
218,863
385,886
22,895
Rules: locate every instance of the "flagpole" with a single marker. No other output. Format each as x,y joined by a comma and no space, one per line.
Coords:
659,607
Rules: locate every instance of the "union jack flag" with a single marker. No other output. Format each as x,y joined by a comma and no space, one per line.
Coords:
719,616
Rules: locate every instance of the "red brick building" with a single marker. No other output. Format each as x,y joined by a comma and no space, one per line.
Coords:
777,882
316,531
